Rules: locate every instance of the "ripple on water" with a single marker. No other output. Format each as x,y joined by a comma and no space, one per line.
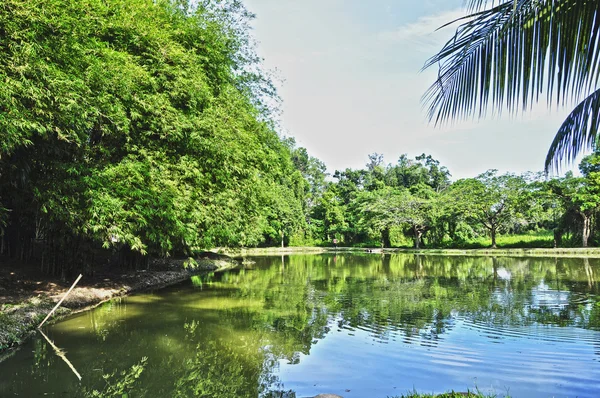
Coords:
471,353
441,324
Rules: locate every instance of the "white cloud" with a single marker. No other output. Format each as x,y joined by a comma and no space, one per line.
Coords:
425,29
424,26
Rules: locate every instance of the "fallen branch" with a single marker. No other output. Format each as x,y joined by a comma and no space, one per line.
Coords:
60,302
61,354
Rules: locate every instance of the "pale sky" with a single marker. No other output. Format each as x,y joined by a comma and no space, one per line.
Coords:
352,86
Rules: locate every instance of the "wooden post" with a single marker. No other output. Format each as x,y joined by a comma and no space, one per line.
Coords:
60,302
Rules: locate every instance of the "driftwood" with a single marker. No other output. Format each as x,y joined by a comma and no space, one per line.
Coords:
61,354
60,302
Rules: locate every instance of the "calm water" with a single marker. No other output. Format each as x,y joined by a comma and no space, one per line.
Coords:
355,325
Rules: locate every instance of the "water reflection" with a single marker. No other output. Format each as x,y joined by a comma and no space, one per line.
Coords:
373,324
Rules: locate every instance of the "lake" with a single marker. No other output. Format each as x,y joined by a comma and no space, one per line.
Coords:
357,325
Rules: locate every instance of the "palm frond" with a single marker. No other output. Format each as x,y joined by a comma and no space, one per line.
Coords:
509,52
578,132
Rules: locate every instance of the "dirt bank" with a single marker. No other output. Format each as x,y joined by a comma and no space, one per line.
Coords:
26,297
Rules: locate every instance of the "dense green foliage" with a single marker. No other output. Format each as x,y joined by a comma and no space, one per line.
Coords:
144,128
140,126
414,203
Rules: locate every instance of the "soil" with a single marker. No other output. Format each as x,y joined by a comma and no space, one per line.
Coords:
26,296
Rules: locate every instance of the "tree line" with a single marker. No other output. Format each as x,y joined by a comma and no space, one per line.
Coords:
414,203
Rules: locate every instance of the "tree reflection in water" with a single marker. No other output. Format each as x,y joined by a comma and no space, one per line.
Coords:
229,334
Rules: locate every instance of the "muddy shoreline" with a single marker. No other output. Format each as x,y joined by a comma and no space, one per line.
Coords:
26,298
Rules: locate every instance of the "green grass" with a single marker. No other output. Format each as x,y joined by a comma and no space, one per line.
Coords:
543,239
9,332
532,239
451,394
16,321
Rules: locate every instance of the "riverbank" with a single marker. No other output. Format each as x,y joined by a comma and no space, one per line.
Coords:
592,252
26,297
452,394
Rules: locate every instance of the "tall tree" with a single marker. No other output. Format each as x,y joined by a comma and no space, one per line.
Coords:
331,213
388,207
312,169
580,196
423,170
491,200
506,53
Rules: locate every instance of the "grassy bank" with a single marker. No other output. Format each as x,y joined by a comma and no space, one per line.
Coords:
452,394
535,243
593,252
533,239
534,252
25,300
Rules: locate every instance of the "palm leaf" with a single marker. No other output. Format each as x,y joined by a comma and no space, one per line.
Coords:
578,132
505,54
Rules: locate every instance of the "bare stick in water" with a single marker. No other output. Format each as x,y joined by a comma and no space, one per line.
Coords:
60,302
61,354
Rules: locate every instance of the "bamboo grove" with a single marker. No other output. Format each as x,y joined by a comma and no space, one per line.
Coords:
137,126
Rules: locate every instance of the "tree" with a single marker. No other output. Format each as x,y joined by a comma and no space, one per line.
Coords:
423,170
540,208
375,172
375,160
350,184
507,53
330,211
491,200
314,172
389,207
286,216
580,196
439,176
